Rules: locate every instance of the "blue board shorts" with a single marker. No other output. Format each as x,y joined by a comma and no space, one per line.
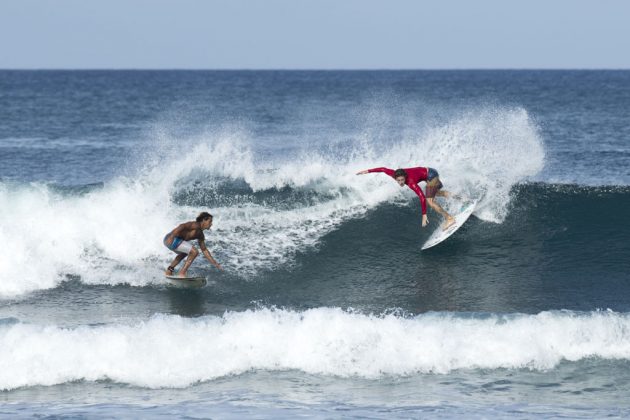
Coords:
178,245
433,183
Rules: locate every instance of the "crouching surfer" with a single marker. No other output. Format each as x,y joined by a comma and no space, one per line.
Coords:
178,241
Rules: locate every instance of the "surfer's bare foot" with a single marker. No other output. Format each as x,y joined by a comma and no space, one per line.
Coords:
169,271
449,222
182,275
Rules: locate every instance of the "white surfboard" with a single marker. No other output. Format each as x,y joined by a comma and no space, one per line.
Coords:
187,282
440,235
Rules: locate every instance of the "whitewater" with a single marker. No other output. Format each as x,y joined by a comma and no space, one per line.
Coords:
107,235
170,351
326,307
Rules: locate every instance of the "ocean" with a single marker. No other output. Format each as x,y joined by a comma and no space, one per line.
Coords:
326,306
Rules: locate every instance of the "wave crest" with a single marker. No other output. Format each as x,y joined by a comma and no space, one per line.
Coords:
170,351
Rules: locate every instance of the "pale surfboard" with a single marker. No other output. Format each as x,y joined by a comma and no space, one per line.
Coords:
440,235
187,282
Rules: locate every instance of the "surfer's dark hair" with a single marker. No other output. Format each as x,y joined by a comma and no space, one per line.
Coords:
204,215
400,172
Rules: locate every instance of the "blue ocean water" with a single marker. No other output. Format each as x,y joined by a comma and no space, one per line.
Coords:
326,307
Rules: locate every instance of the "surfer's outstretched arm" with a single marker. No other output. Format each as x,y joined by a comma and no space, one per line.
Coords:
387,171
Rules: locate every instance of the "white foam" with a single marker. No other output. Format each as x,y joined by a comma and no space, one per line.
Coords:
114,234
479,154
170,351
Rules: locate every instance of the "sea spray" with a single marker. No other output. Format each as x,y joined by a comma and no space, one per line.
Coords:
113,234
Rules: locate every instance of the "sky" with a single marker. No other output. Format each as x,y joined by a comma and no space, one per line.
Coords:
310,34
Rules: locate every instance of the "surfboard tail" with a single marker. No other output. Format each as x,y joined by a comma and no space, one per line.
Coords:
440,235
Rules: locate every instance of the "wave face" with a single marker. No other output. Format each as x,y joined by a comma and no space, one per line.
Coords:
169,351
268,210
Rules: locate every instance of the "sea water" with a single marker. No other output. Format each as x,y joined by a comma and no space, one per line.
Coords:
326,306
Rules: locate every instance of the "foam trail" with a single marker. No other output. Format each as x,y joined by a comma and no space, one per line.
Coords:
169,351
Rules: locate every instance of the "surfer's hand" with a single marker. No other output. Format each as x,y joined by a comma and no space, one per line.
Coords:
425,220
362,172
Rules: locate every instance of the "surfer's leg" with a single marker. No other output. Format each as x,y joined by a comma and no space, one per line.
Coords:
191,257
435,206
432,191
171,268
434,188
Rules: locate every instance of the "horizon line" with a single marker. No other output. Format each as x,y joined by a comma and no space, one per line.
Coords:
315,69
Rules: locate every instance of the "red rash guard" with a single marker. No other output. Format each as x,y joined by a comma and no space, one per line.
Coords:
414,175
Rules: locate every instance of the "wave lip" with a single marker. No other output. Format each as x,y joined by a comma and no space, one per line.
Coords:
170,351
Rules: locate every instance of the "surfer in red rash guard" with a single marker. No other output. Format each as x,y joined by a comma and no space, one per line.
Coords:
411,177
